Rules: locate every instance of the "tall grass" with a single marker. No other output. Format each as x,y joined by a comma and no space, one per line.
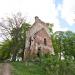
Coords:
27,68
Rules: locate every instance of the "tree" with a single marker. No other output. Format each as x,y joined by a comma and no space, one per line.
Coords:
13,28
69,44
22,38
10,23
64,42
57,39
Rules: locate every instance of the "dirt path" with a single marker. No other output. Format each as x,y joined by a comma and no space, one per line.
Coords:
5,69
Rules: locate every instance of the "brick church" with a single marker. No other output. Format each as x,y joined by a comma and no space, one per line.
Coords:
38,38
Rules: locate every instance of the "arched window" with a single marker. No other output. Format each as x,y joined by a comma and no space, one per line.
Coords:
45,41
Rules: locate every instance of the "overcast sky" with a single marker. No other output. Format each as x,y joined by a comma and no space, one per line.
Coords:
59,12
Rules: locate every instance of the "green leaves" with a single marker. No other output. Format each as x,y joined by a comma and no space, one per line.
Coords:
64,42
19,38
5,49
16,43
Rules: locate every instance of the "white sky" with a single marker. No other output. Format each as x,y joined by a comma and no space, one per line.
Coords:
45,9
68,11
29,8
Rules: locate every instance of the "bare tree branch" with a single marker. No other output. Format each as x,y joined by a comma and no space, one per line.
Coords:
6,26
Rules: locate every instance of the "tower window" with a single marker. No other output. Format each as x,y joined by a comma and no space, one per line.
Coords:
45,41
30,41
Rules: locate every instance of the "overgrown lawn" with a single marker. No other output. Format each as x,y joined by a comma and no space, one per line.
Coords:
27,68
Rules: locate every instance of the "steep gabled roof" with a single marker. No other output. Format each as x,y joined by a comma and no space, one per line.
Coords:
37,20
38,25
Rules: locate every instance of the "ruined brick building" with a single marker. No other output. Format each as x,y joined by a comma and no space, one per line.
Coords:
38,38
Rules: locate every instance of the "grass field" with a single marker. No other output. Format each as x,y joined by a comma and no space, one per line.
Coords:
23,68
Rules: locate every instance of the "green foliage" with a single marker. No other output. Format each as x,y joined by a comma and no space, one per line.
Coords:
15,28
5,49
64,46
49,65
52,65
26,68
19,38
64,42
15,44
69,43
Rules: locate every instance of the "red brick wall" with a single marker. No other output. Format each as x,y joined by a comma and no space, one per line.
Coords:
39,38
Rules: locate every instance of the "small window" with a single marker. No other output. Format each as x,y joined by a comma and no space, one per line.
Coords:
30,41
45,41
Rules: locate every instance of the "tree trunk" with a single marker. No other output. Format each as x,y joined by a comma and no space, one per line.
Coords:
23,55
14,56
